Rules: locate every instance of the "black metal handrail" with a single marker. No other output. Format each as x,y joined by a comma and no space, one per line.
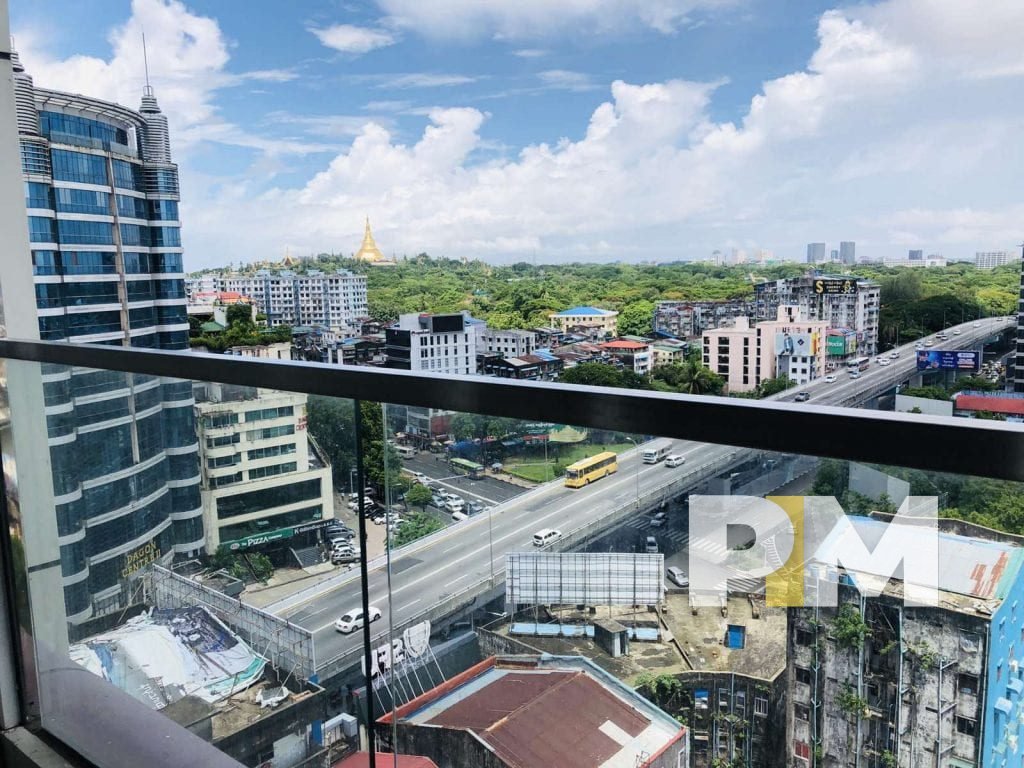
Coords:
964,446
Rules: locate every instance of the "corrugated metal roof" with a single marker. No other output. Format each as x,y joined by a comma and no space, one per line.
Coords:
362,760
994,404
585,311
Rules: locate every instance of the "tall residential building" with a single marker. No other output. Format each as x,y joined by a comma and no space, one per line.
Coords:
102,198
889,684
848,252
265,483
433,343
842,301
334,300
689,319
992,259
504,342
915,254
815,253
746,355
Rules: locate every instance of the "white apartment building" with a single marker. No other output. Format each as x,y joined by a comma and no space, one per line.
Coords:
604,321
934,260
504,342
263,481
787,346
334,300
209,283
433,343
842,301
992,259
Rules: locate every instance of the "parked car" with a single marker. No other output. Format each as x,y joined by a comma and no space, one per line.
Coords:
674,460
336,541
454,505
830,379
677,577
438,501
546,536
650,544
458,517
354,619
341,558
474,508
802,397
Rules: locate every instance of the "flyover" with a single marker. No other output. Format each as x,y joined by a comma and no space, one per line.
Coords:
448,570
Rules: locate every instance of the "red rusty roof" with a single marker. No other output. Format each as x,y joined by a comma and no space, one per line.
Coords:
1013,406
624,344
540,719
362,760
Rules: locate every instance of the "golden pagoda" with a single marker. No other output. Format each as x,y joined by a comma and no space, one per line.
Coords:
369,251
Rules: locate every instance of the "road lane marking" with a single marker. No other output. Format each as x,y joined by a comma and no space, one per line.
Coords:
408,605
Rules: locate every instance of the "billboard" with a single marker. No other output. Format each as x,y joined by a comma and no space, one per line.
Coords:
798,344
835,285
948,360
582,578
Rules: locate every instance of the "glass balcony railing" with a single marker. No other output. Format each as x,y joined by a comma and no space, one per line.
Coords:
758,581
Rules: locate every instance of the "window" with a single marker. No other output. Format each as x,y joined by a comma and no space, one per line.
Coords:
255,501
41,229
82,201
803,675
223,461
269,413
79,166
131,207
38,195
966,726
216,420
273,450
801,712
273,469
85,232
967,683
761,706
803,637
127,175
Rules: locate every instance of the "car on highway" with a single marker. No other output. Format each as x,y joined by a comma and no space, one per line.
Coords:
830,379
650,545
354,619
802,397
458,517
929,343
894,355
546,536
677,577
674,460
883,361
977,325
956,331
854,374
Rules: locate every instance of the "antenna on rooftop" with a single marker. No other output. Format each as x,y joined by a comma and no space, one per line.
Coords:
145,63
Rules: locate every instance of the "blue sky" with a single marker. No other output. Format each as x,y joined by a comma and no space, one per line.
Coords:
578,130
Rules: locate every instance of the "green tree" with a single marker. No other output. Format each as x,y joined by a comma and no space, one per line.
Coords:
462,426
240,316
696,379
419,496
832,479
329,420
771,387
636,319
603,375
416,526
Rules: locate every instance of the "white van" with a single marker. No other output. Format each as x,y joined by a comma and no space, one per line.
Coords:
674,460
546,536
406,451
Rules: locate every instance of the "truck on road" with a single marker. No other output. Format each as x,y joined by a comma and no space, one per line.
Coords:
656,452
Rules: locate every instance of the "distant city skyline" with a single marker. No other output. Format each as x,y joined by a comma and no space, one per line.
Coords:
588,131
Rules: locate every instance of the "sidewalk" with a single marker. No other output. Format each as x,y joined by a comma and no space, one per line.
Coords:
288,581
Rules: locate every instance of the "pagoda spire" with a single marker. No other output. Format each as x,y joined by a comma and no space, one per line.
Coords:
369,251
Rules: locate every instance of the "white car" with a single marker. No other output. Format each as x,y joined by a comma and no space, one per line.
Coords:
674,460
353,620
883,362
546,536
677,576
956,331
454,505
830,379
894,355
458,517
420,478
929,343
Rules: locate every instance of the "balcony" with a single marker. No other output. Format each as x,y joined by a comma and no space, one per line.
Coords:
739,447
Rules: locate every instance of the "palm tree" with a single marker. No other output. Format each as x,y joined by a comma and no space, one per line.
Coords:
695,379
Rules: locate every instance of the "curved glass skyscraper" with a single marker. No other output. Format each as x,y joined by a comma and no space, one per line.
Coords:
102,199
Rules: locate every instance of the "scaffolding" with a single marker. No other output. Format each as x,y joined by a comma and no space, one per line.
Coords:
285,646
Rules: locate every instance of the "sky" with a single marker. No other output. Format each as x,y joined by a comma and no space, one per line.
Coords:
577,130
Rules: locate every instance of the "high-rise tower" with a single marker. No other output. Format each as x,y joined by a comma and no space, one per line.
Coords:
102,199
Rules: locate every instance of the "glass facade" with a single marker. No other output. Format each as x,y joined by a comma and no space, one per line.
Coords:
110,433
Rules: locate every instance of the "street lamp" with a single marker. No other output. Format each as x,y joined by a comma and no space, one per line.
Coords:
637,446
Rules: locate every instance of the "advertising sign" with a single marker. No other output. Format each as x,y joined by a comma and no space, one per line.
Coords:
836,345
577,578
948,360
796,344
138,558
280,533
835,285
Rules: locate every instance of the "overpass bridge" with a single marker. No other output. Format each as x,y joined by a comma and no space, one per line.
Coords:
462,565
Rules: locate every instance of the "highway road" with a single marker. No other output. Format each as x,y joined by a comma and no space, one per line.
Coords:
426,574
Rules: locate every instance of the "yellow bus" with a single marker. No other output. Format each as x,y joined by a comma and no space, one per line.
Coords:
586,470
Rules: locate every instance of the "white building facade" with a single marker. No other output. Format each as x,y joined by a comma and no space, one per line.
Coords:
262,479
433,343
992,259
505,342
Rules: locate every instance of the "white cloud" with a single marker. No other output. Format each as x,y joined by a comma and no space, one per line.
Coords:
426,80
566,80
188,57
878,140
525,19
350,39
530,53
